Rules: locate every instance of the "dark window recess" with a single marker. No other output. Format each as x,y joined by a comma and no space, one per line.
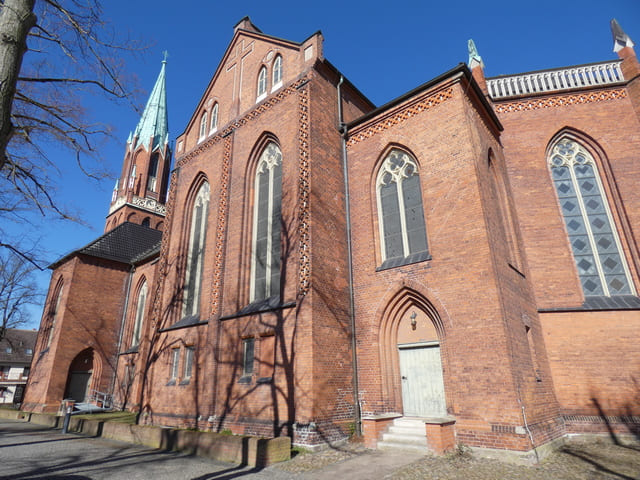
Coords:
247,357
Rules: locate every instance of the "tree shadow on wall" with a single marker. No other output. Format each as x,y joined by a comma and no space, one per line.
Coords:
623,429
275,390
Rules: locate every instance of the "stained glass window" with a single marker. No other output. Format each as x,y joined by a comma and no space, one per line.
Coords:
195,256
401,215
594,242
265,277
137,326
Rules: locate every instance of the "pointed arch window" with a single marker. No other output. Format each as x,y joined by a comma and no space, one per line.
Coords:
152,181
403,235
214,118
595,245
262,84
53,314
195,255
267,217
203,126
140,307
277,73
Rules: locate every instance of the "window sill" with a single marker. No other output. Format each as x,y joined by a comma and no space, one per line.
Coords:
185,382
601,303
259,98
400,261
131,350
171,383
186,322
245,379
276,86
270,304
264,380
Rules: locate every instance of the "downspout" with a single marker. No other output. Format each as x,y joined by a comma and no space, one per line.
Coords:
121,334
342,129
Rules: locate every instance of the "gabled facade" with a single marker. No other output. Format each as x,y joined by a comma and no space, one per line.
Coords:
16,353
328,267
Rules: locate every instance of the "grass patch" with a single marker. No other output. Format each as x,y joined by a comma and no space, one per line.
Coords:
120,417
298,450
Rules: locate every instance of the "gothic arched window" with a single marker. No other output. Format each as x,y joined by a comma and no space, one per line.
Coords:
403,235
592,234
214,118
267,217
54,311
262,83
140,306
203,126
195,255
277,73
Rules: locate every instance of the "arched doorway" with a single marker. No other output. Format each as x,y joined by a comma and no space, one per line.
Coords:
420,366
79,378
411,339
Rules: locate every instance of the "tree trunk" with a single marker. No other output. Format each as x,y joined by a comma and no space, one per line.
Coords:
16,19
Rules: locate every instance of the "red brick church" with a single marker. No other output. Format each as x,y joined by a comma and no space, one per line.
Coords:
464,256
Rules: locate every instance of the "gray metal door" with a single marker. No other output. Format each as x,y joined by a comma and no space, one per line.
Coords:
422,382
78,385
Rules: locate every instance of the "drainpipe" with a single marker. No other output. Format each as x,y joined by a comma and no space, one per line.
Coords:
342,128
121,334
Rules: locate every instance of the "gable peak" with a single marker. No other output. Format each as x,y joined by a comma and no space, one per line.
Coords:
246,24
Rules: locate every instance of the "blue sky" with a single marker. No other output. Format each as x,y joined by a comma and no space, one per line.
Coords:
384,48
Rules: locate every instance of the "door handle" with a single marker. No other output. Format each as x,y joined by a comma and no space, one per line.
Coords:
403,377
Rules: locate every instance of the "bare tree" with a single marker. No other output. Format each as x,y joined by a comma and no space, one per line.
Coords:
54,54
17,291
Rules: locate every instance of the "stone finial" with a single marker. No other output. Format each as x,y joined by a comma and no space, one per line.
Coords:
475,59
620,38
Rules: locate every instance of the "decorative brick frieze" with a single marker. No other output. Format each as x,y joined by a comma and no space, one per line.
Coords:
560,101
408,111
221,227
303,190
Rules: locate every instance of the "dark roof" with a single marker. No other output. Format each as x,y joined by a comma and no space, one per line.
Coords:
19,341
127,243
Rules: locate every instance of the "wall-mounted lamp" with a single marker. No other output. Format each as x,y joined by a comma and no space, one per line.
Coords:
414,323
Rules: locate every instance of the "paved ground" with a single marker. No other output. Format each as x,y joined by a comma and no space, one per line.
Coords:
30,451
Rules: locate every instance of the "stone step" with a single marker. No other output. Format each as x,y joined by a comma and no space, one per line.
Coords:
407,430
409,422
403,446
408,439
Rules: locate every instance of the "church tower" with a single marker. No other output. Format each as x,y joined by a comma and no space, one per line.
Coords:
139,195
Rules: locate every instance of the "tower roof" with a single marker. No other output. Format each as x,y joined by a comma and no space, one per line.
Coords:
154,123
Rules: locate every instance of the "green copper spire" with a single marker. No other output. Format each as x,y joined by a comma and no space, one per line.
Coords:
154,124
474,57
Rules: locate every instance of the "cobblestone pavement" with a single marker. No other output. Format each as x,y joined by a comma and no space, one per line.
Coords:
576,460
